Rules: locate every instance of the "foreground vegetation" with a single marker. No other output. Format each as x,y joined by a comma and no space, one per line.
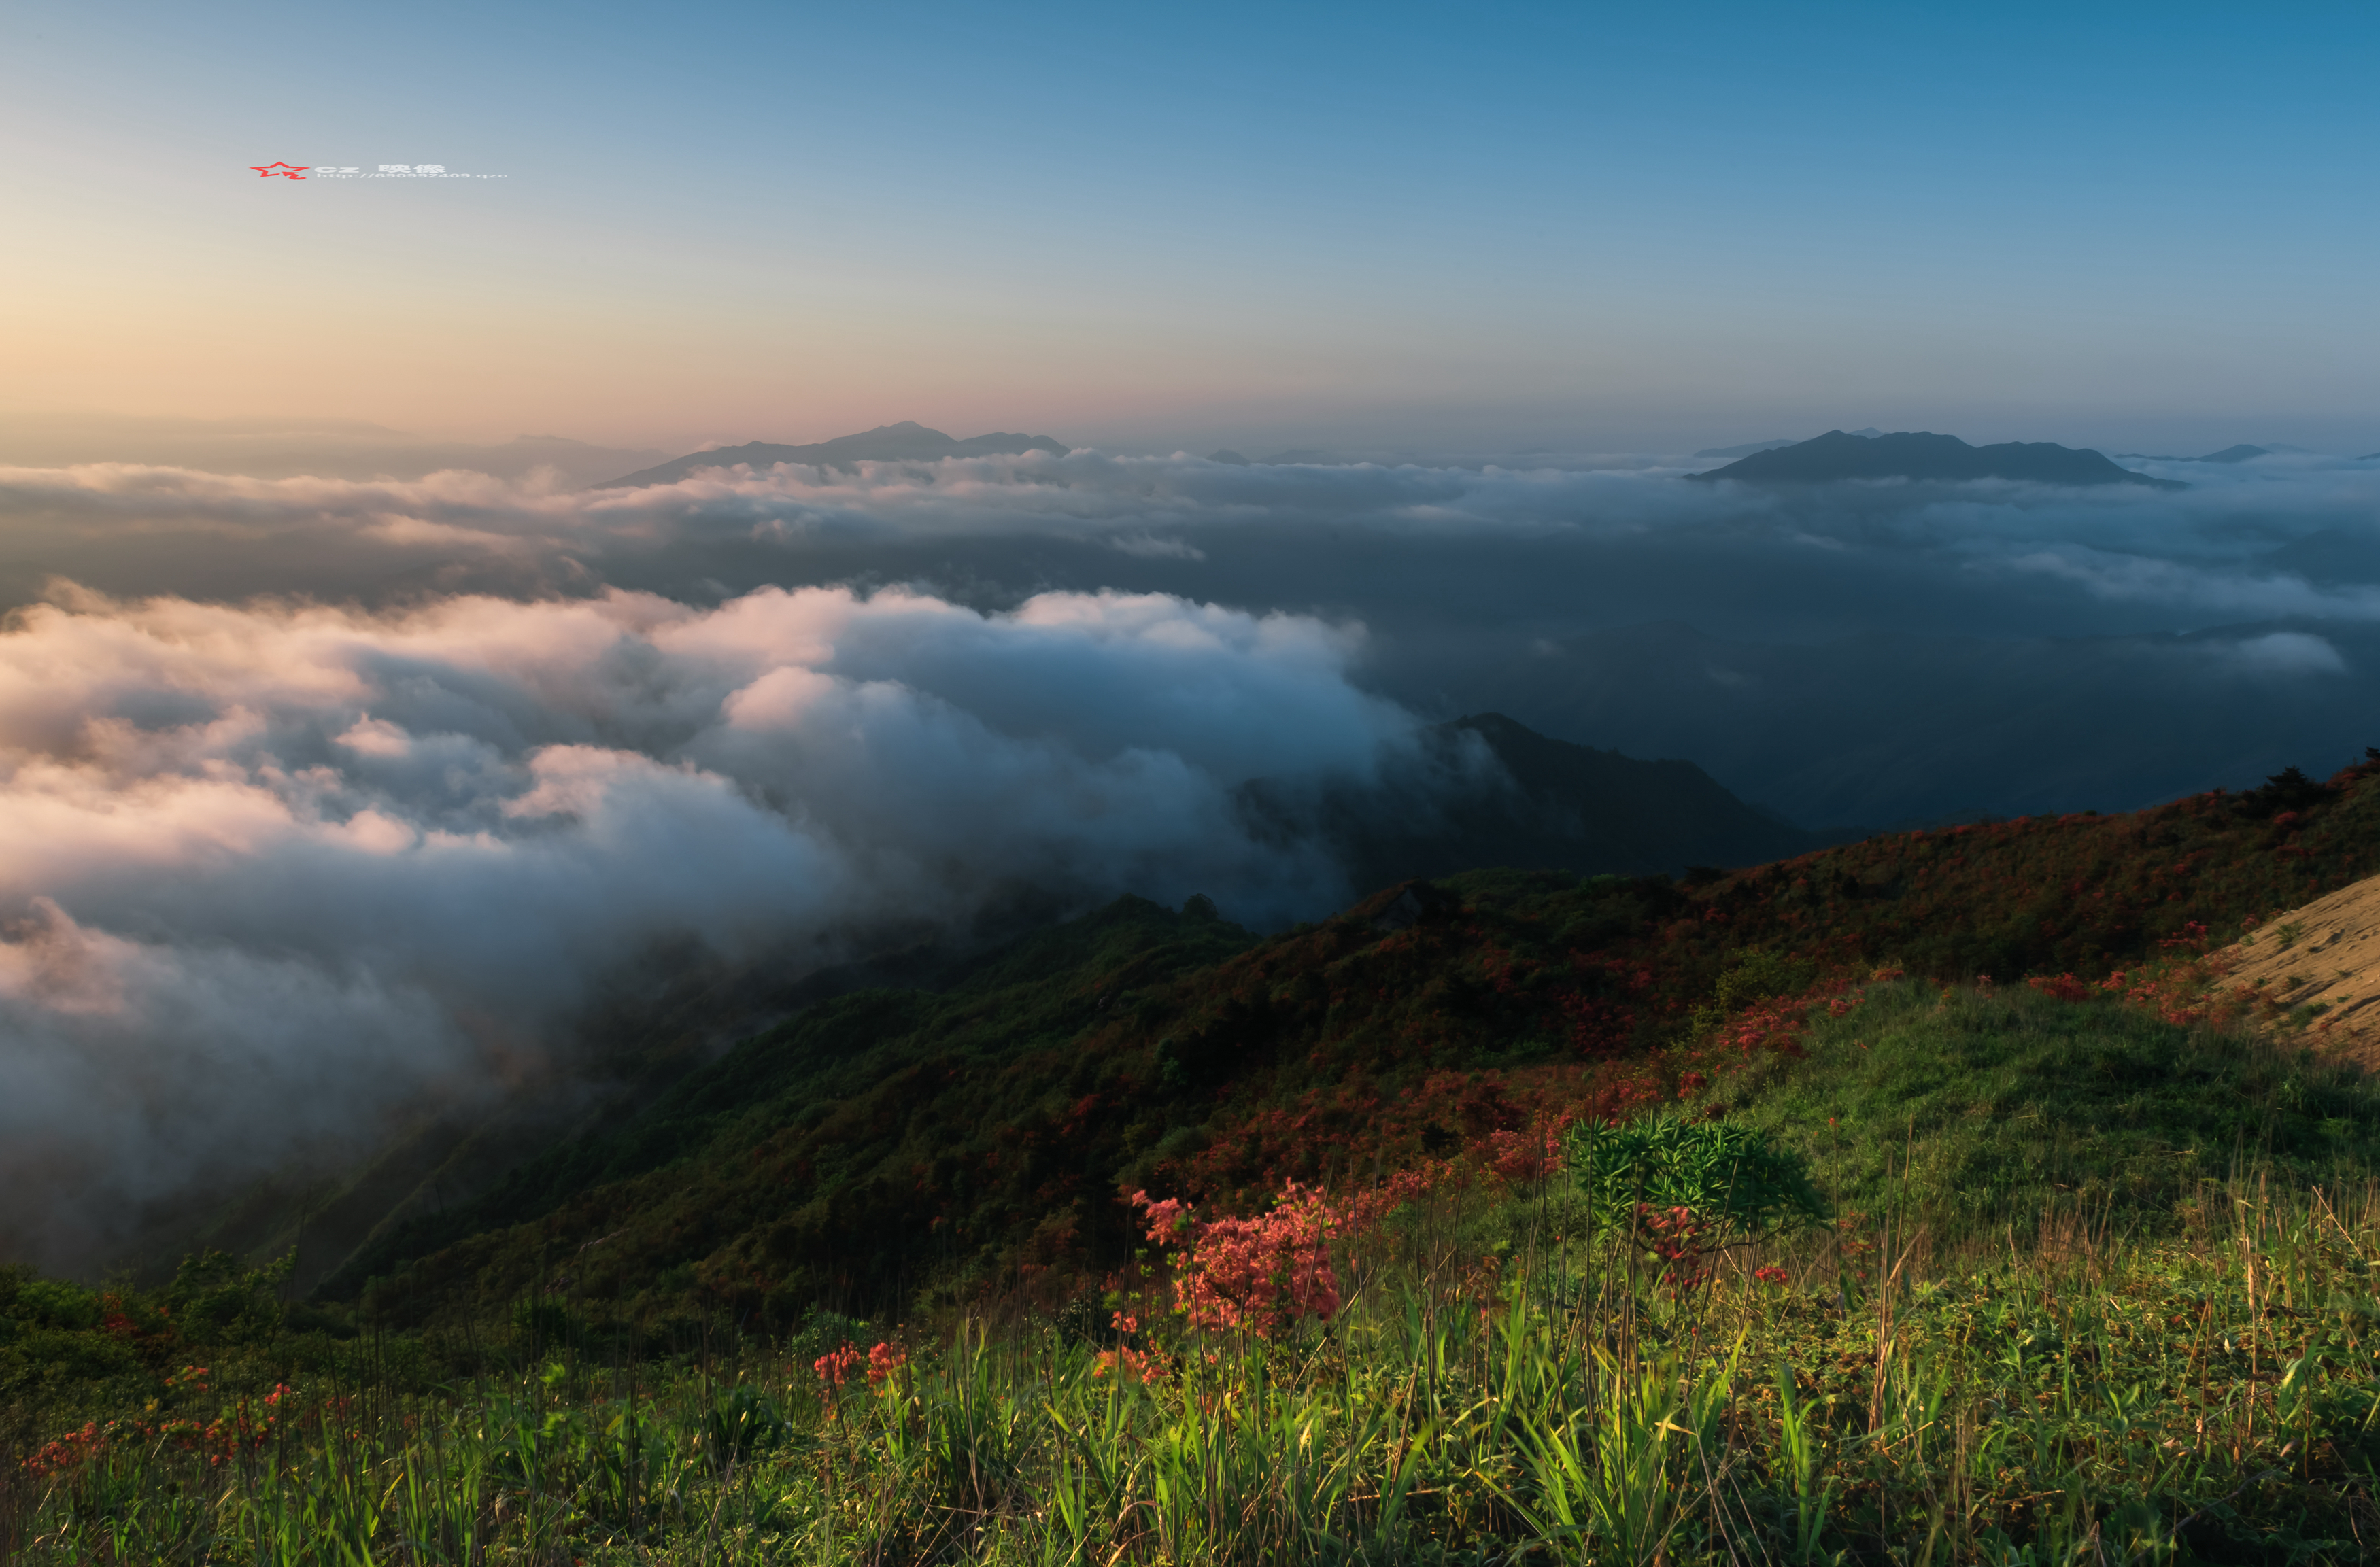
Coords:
2094,1287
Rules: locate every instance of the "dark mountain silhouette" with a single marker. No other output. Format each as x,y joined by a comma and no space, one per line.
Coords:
2007,725
2327,558
2239,453
1749,448
1922,455
1552,806
1225,454
905,441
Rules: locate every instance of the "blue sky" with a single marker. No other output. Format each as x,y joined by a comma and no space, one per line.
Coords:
1587,227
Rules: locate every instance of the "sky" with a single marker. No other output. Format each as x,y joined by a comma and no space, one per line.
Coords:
1578,228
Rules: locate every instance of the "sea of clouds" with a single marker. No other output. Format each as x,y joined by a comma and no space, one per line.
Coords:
274,868
322,798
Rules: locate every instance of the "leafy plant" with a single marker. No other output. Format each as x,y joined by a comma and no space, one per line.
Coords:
1738,1185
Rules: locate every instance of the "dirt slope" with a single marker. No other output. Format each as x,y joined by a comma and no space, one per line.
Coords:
2325,954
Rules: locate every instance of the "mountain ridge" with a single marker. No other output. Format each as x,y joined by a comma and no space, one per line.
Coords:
1556,805
905,441
1921,455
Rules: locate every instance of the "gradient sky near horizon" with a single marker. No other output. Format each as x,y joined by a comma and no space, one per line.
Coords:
1586,228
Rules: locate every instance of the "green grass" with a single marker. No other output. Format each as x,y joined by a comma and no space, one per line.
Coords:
1975,1111
2098,1289
2208,1397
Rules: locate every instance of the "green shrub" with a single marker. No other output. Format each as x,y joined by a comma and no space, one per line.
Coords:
52,1302
1739,1185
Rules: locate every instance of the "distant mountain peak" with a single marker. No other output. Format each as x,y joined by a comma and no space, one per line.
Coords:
1921,455
1549,804
905,441
2239,453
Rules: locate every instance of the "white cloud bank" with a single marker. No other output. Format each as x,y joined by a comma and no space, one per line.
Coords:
273,870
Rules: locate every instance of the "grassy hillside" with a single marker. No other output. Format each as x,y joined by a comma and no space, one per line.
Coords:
895,1147
2076,1302
809,1137
1972,1111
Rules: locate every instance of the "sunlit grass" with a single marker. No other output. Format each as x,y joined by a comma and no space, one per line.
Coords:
2095,1288
2210,1392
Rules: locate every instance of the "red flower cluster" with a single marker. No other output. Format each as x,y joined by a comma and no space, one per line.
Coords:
218,1439
1265,1273
2065,987
1778,1023
1678,1237
839,1366
1128,1365
1526,1158
1262,1273
836,1365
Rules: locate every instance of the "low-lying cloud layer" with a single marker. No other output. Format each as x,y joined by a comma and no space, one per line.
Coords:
276,870
324,796
2203,547
1482,587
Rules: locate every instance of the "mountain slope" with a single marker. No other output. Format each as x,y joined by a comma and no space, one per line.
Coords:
905,441
888,1141
2320,962
1925,455
1543,804
1486,791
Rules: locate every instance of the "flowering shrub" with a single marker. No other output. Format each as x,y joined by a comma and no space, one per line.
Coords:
1267,1272
1263,1273
1526,1158
882,1362
1776,1025
2065,987
836,1365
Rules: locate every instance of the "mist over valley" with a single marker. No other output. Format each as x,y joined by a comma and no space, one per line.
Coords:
421,768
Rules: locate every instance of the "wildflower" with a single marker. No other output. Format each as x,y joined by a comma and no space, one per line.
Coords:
2065,987
882,1362
1128,1365
1770,1275
832,1368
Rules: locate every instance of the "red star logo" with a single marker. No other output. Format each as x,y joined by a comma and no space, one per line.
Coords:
286,171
